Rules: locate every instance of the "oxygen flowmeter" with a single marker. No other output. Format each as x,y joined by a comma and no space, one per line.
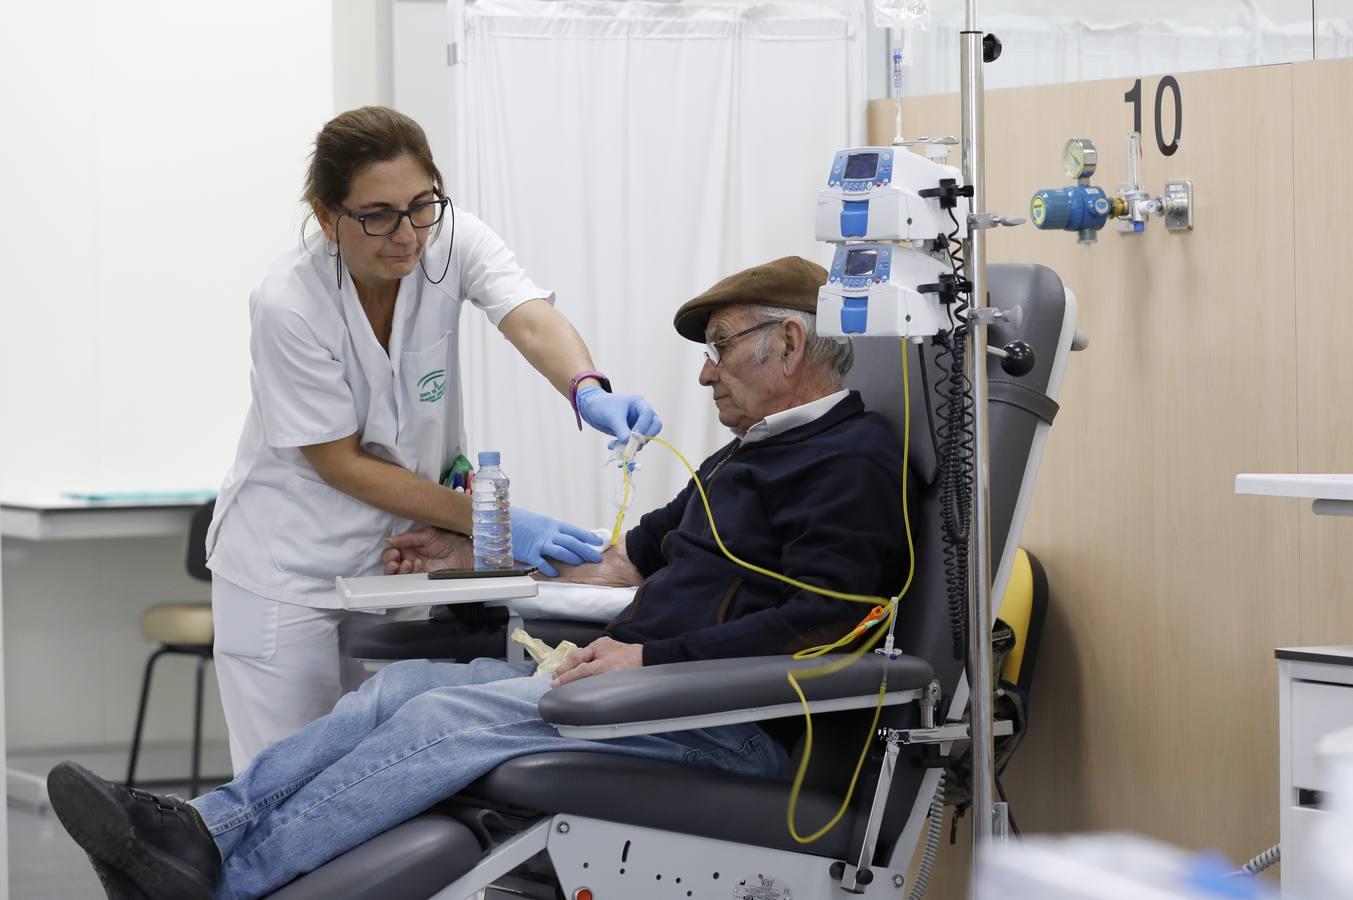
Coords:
1083,207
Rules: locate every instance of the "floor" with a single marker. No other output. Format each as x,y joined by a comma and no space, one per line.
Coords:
44,863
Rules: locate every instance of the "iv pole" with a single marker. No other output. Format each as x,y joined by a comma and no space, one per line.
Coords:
979,584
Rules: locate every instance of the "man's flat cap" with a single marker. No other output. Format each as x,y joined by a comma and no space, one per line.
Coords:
790,281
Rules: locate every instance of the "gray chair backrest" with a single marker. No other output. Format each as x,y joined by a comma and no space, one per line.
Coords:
923,627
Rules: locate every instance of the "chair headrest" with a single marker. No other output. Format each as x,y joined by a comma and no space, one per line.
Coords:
877,375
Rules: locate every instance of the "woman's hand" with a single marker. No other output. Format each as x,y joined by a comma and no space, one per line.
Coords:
614,570
617,414
426,550
536,539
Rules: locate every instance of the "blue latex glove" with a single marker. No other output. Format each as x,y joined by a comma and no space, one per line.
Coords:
536,537
617,414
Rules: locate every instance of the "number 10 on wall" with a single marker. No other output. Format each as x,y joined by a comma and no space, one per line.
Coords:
1167,84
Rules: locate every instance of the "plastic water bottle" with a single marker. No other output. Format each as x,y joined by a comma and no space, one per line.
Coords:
492,523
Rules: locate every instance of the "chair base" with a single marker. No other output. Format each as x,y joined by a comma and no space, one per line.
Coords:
614,860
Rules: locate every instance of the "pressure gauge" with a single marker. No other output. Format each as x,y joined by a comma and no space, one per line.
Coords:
1079,157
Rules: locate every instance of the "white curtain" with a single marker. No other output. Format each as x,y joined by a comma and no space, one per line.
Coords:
1045,48
633,154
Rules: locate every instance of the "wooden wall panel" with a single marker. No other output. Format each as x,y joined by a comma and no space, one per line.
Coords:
1322,139
1155,705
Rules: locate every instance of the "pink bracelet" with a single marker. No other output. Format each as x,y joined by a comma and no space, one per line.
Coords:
573,391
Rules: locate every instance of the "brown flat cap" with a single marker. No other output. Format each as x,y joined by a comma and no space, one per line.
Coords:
790,281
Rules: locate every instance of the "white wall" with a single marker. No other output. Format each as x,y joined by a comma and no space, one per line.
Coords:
4,792
74,656
361,56
153,157
419,81
154,173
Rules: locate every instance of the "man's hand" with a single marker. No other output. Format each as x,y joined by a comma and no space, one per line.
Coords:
614,570
426,549
602,655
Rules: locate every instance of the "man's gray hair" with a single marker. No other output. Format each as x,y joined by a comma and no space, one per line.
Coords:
833,355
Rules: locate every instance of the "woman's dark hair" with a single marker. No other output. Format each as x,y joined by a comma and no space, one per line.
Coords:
354,140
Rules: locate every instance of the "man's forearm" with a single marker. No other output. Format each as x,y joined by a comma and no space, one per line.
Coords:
614,570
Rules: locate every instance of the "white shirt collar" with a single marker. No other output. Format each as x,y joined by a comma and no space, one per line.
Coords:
780,422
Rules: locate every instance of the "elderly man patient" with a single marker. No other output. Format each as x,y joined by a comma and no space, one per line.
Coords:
811,487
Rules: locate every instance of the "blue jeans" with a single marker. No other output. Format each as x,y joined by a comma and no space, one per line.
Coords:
410,737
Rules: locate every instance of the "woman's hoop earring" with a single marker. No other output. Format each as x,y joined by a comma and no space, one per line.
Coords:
327,244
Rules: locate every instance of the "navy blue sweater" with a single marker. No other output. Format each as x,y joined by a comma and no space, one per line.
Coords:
821,503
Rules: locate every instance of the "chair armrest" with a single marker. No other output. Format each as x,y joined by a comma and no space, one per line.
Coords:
709,693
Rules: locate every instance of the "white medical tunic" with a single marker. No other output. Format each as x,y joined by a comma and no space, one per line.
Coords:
320,374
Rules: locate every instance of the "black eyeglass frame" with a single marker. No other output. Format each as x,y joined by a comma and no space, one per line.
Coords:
400,214
713,349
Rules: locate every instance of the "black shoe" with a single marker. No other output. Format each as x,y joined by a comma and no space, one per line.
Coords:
156,843
116,883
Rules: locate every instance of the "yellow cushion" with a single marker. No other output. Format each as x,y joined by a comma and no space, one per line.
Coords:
1016,610
178,623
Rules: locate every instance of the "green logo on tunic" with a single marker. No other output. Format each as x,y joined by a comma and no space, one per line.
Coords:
432,386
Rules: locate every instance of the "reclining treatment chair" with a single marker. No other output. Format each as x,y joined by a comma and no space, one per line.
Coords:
593,825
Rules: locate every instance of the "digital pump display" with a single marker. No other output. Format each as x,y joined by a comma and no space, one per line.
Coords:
861,262
862,165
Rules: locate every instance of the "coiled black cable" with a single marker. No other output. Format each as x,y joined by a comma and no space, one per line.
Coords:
957,465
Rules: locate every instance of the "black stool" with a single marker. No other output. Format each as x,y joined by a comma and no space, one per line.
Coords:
185,629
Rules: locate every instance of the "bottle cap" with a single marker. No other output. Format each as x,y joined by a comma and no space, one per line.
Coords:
489,458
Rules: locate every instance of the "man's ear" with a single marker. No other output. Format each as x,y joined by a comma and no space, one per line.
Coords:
795,343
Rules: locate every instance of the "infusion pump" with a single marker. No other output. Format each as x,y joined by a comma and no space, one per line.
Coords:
878,289
890,194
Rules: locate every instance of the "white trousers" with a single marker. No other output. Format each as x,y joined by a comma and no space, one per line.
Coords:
278,666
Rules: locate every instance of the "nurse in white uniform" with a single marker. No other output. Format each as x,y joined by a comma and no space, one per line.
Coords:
356,415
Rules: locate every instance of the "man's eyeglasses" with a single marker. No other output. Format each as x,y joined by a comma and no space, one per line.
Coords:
713,348
387,221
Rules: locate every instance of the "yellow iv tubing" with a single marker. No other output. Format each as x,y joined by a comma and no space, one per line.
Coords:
888,614
625,503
